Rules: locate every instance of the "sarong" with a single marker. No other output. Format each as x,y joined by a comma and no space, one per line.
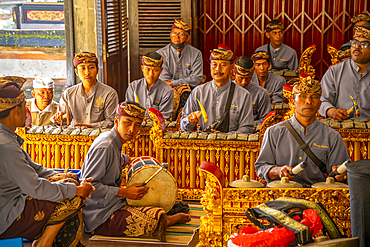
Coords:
135,221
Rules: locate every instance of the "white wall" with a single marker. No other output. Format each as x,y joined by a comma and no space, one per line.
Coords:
33,68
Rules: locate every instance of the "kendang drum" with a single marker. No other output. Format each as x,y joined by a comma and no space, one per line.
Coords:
162,186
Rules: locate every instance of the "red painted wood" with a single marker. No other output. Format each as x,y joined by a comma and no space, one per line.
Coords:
240,24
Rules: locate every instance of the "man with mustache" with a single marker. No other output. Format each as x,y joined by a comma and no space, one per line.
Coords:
349,78
243,69
282,56
228,106
182,63
273,83
42,107
151,91
344,52
90,103
280,151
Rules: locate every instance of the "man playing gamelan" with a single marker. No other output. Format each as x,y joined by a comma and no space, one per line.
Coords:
280,151
273,83
182,63
107,212
42,107
228,106
31,206
282,56
90,103
151,91
243,69
350,78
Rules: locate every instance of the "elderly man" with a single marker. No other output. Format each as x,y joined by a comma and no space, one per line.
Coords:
90,103
182,63
280,151
243,69
350,78
228,106
42,107
107,212
31,206
151,91
282,56
273,83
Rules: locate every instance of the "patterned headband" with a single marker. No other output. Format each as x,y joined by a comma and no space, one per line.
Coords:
130,110
307,85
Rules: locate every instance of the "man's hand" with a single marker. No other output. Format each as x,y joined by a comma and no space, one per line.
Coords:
58,117
337,114
342,177
85,188
194,117
279,172
133,192
169,83
83,125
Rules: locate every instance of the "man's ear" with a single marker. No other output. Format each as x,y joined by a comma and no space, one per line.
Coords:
33,93
268,35
76,71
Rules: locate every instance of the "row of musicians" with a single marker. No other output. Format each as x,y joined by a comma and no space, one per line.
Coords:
93,104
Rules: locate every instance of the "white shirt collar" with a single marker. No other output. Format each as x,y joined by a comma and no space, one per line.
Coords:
34,107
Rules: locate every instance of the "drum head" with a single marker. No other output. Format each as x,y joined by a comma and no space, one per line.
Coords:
162,188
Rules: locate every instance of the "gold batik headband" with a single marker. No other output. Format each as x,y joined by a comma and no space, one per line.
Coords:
306,85
131,110
362,32
148,61
243,71
360,17
181,25
260,55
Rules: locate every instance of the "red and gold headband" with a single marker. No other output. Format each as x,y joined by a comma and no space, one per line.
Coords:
362,32
85,57
179,24
222,52
260,55
307,85
7,89
130,110
148,61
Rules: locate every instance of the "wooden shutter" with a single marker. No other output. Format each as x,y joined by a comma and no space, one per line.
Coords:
114,44
150,26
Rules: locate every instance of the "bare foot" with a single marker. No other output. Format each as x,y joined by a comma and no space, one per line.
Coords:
180,218
35,242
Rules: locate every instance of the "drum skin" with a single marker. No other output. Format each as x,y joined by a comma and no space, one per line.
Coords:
162,188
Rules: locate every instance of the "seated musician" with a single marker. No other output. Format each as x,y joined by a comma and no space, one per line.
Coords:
42,106
358,20
31,206
273,83
350,78
151,91
182,63
282,56
228,106
243,69
107,212
280,150
90,103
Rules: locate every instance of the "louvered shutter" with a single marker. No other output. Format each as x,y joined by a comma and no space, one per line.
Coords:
150,26
114,44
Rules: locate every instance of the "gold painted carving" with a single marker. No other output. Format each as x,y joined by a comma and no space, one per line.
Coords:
41,15
305,61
